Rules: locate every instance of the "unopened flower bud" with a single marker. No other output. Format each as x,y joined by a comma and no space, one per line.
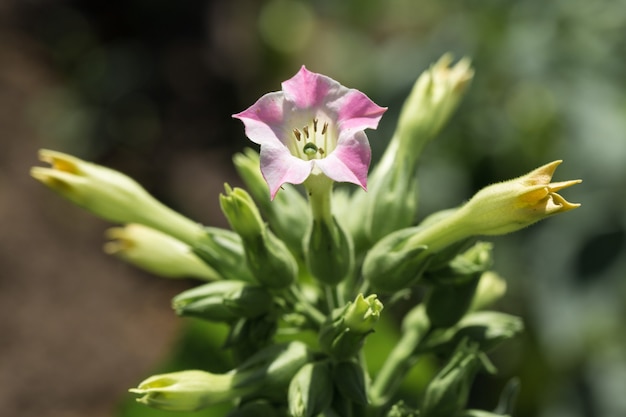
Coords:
269,370
343,335
392,264
111,195
452,289
157,252
391,201
362,315
223,301
187,390
223,250
271,263
310,390
512,205
349,380
448,392
497,209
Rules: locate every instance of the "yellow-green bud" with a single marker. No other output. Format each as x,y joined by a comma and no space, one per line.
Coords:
267,372
157,252
497,209
433,99
310,390
344,333
111,195
271,263
187,390
391,201
512,205
223,301
362,315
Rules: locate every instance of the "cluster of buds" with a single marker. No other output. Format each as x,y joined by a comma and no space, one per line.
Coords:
320,261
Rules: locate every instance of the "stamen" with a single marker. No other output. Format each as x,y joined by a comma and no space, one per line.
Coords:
321,151
297,134
324,128
305,129
315,125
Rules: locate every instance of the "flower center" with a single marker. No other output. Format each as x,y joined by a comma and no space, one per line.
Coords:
312,141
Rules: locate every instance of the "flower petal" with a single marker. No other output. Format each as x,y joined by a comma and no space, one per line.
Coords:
279,166
308,89
349,161
264,120
356,111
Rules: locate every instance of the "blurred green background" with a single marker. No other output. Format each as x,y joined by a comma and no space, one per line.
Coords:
148,87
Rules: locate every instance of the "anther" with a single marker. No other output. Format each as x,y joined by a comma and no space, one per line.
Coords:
305,129
315,125
297,134
321,151
324,128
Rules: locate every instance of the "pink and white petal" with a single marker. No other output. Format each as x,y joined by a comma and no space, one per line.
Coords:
350,160
279,166
308,89
264,120
356,111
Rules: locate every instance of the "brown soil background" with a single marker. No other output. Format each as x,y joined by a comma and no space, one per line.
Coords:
77,328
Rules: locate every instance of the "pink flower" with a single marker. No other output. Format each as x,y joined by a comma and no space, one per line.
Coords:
314,125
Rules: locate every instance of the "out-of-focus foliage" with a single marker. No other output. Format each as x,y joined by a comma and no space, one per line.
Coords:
144,77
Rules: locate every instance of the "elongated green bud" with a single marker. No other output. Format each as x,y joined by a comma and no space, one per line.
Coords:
448,392
392,264
111,195
452,289
349,381
223,301
269,370
187,390
391,201
223,250
157,252
310,390
271,263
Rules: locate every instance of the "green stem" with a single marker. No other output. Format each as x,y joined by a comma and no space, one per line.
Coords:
319,189
306,307
398,363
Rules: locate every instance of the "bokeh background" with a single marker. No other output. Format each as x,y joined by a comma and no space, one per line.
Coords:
148,87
